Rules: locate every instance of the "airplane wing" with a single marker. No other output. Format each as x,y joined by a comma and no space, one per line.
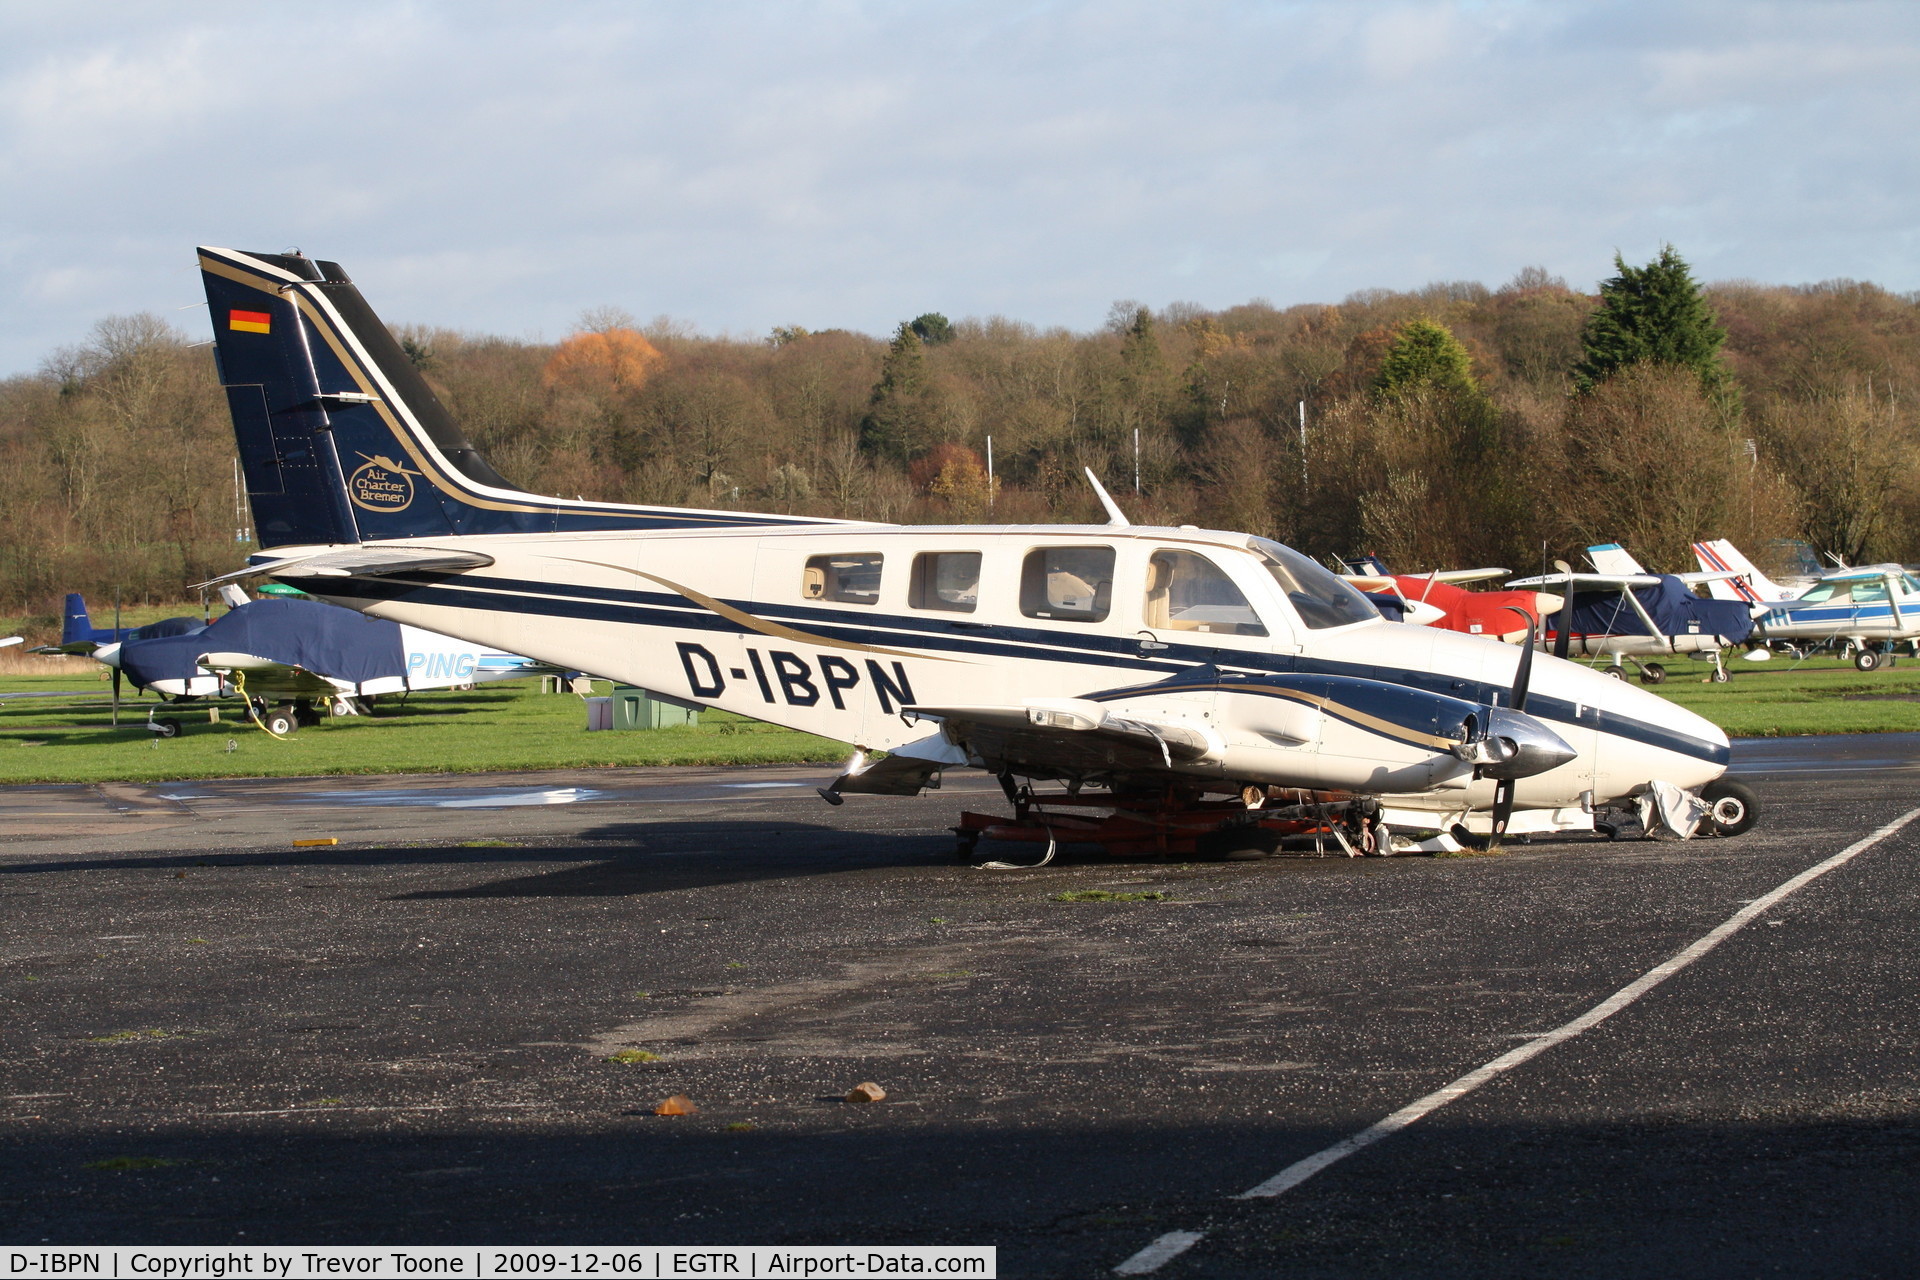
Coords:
1457,576
359,562
1385,581
10,640
1589,581
1055,736
265,677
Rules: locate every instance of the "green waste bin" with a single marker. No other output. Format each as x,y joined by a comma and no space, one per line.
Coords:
636,708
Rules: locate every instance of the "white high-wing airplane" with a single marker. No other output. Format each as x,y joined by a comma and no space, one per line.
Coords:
1217,686
1620,611
1861,611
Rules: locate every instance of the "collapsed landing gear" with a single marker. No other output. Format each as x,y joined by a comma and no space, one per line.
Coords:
1175,825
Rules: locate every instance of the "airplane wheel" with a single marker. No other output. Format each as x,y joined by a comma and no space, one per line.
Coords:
1732,807
1866,660
281,722
1618,673
1720,675
1653,673
166,728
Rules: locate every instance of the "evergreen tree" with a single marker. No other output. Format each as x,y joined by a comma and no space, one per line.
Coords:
932,328
1655,314
1425,354
899,415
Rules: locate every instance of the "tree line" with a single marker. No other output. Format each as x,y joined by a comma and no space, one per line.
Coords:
1449,426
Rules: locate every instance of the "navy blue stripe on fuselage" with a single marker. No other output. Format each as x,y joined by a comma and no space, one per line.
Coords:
669,609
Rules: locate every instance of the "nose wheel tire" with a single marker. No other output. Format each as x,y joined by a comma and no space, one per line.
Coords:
1732,808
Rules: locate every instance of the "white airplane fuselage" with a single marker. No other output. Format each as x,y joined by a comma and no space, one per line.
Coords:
737,619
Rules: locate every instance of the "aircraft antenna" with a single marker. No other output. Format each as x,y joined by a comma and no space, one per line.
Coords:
1115,517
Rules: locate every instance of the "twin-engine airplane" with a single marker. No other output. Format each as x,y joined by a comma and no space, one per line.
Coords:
1195,689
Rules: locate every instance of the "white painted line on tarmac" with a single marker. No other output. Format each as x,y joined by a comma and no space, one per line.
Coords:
1159,1253
1174,1243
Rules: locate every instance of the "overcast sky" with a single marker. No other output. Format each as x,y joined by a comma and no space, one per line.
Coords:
503,167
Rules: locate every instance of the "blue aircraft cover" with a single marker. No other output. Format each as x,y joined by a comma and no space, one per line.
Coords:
321,638
1675,610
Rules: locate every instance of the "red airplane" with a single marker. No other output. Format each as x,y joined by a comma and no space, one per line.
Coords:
1433,599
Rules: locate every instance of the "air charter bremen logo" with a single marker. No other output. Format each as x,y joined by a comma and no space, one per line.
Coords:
381,485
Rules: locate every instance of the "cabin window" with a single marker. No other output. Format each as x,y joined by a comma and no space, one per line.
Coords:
1188,592
1067,584
947,580
843,579
1320,598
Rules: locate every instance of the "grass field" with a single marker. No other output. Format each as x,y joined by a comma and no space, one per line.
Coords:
1821,695
506,726
68,738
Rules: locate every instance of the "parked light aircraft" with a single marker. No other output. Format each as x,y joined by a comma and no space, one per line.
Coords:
1501,614
1166,667
285,655
1624,613
80,638
1862,611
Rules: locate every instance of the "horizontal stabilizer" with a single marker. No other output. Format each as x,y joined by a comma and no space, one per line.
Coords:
361,562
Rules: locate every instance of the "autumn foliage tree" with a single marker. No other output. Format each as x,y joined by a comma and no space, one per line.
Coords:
1445,426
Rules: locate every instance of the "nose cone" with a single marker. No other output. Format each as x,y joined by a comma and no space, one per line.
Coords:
109,654
1534,747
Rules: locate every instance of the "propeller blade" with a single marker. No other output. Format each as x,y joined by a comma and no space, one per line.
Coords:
1503,790
116,697
1502,811
1523,674
1563,637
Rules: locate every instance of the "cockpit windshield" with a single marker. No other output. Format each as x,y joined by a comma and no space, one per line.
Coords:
1322,599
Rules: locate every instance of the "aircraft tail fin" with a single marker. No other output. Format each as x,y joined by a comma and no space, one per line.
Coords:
1611,557
342,440
75,626
1751,587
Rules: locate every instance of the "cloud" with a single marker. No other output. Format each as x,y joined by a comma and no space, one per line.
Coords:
500,167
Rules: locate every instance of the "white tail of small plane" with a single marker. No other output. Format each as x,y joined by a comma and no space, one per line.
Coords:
1750,586
1611,557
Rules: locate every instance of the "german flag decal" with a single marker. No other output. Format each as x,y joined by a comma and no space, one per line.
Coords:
250,321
